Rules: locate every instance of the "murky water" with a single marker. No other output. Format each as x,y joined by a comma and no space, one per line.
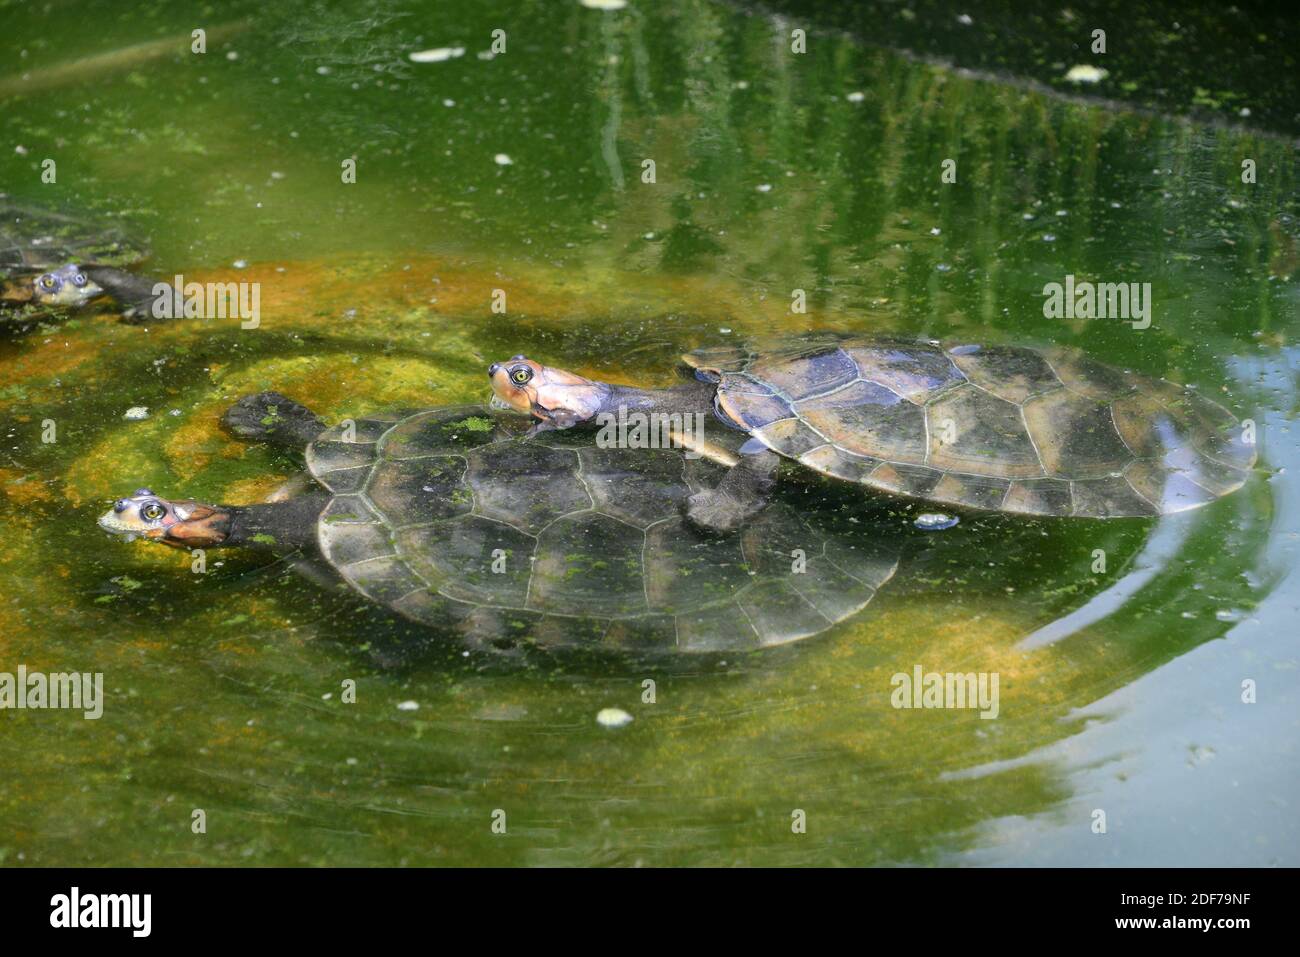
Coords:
1121,689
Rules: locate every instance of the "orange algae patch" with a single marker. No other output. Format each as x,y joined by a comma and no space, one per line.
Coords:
23,488
251,490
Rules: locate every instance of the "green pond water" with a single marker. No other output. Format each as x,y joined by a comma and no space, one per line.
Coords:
1121,690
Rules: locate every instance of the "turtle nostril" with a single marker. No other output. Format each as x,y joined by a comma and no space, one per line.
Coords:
492,369
121,505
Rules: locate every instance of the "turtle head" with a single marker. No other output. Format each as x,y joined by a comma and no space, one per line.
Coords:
181,524
66,286
551,395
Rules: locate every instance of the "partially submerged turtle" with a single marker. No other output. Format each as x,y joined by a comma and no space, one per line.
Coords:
451,518
51,263
1002,428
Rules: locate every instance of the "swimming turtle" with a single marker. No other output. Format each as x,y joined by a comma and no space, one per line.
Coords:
50,263
1003,428
451,518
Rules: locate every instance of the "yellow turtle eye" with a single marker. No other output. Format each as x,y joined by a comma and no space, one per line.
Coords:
521,375
153,511
47,282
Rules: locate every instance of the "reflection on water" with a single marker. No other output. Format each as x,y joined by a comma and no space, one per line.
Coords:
224,690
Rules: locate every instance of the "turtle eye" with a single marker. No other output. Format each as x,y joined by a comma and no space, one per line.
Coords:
152,512
79,279
47,281
143,491
521,375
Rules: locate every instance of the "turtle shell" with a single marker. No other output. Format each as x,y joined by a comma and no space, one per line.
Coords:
34,240
1002,428
450,517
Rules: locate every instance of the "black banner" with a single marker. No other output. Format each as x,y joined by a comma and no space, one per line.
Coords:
222,907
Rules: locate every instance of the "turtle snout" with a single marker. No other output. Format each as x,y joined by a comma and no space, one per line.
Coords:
493,369
121,505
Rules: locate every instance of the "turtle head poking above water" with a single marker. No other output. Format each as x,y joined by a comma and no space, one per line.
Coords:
553,396
181,524
66,286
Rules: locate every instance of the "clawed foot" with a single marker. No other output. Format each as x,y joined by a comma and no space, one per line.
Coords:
717,512
255,416
555,423
538,428
271,417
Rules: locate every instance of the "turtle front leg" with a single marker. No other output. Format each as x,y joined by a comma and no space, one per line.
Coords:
549,421
743,493
275,419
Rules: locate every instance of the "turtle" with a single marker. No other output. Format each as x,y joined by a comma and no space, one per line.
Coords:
51,263
1000,428
454,519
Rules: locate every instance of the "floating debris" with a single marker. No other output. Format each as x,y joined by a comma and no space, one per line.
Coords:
935,521
137,413
408,706
501,712
604,4
1085,73
613,718
437,55
83,70
857,96
501,159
